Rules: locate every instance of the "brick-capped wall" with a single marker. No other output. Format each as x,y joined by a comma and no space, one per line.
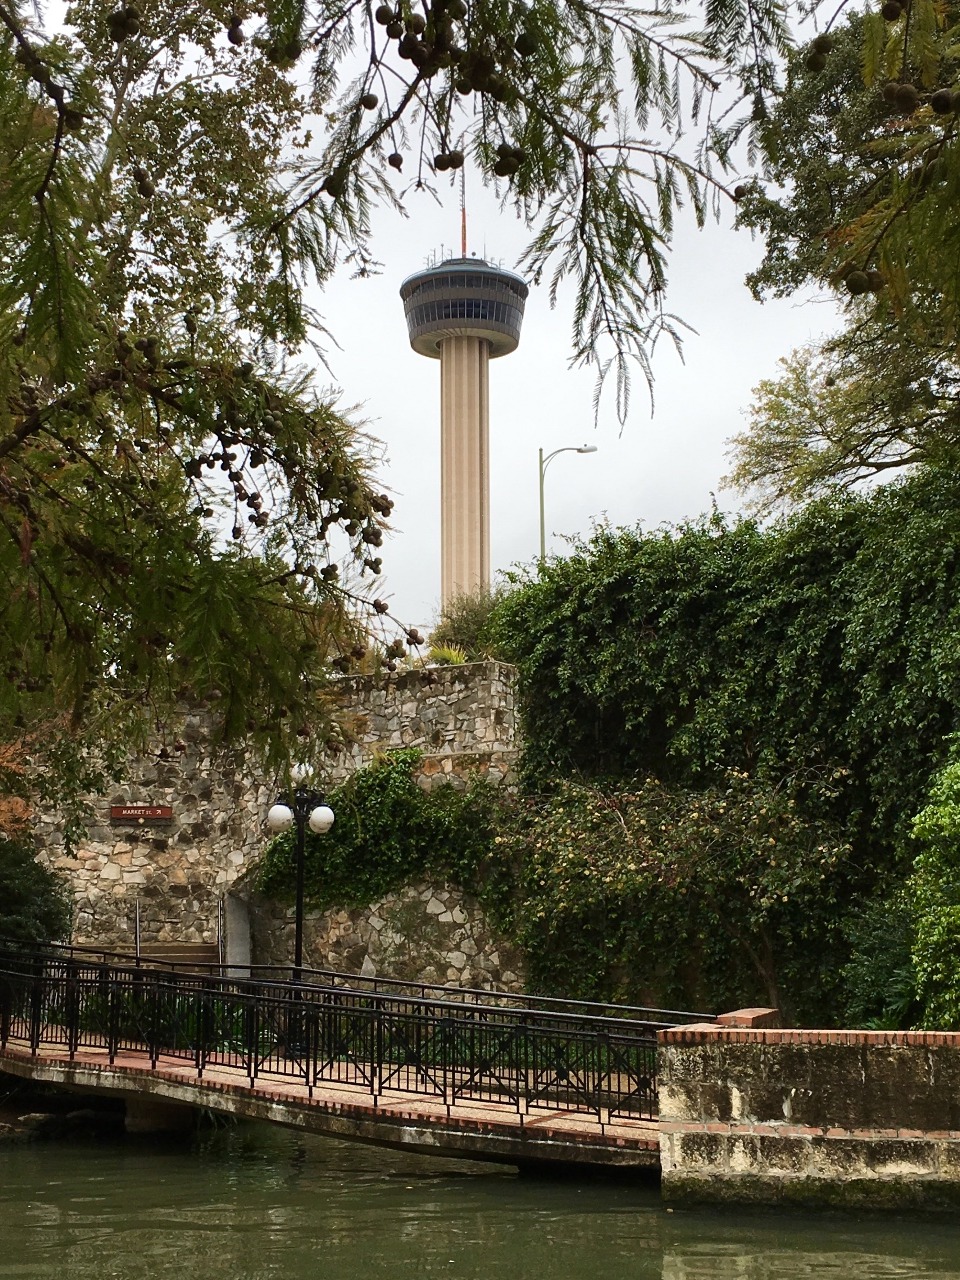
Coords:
846,1118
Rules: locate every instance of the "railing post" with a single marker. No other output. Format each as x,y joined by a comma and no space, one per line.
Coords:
447,1065
113,1019
251,1019
204,1023
523,1069
71,1007
376,1066
310,1037
152,1020
36,1007
6,1008
602,1050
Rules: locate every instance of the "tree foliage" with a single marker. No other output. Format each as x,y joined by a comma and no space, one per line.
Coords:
35,905
464,623
868,402
823,645
183,514
579,113
857,190
861,150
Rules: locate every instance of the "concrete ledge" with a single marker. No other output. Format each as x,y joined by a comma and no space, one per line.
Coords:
858,1194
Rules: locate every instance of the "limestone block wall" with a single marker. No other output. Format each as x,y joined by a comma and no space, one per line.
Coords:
846,1118
172,873
184,878
427,933
470,710
466,725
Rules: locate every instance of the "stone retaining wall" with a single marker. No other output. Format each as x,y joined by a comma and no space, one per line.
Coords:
426,933
174,872
844,1118
469,710
178,875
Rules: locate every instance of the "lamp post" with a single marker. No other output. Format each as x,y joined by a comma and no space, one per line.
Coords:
544,461
303,807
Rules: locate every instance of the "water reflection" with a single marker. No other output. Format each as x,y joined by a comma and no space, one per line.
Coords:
256,1204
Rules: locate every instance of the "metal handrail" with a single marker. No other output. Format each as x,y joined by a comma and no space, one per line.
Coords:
452,1051
326,978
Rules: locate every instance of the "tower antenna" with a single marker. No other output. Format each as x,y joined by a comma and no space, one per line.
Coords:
463,213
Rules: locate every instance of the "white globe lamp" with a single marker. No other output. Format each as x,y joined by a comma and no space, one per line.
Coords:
321,819
279,818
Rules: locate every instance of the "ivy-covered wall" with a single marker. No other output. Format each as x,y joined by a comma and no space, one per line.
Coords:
814,661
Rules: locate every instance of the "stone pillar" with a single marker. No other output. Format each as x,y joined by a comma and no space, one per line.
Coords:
464,466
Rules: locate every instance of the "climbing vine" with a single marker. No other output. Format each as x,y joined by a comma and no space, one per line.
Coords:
645,893
388,831
830,640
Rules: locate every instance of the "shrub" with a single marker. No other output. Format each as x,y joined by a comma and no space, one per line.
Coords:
464,623
35,904
935,894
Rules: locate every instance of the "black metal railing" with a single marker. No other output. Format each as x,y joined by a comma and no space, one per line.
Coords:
385,986
532,1056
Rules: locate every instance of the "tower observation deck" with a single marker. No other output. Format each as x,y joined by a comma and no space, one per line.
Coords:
464,312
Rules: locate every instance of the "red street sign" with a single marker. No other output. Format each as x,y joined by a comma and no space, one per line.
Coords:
140,813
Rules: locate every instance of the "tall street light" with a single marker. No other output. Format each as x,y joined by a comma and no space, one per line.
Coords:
544,461
303,807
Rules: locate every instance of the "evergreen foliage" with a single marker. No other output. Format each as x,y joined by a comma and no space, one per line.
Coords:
821,648
879,979
717,897
35,905
934,896
387,831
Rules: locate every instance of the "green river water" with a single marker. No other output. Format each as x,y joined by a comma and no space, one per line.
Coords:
257,1202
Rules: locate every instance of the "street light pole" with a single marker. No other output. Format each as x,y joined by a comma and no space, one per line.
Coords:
544,461
300,817
304,807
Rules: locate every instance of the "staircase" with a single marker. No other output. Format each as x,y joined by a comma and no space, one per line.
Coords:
187,954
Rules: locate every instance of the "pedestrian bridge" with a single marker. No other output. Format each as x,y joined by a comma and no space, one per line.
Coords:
442,1071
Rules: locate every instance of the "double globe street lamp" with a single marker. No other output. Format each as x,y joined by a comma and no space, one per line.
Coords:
303,807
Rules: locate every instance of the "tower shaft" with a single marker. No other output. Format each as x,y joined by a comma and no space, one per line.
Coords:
464,313
464,467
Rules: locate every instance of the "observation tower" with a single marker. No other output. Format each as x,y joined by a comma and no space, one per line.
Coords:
464,312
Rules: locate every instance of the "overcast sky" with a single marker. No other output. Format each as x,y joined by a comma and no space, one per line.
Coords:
659,468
